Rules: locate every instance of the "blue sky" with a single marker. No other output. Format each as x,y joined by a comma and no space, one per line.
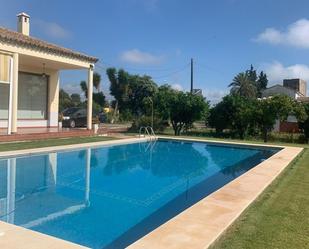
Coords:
158,37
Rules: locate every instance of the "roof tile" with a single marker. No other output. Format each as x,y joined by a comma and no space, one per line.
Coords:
9,36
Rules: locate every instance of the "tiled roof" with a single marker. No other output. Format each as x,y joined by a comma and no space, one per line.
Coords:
13,37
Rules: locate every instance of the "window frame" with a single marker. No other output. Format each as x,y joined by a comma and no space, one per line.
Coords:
47,96
4,119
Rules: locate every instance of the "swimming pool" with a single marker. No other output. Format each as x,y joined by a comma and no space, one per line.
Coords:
108,197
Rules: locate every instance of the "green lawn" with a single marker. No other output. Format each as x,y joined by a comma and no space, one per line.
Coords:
50,142
253,141
279,218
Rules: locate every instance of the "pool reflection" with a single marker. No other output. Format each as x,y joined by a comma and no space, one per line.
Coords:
36,195
111,196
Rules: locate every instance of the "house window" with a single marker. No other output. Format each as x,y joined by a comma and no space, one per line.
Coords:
4,85
32,96
4,100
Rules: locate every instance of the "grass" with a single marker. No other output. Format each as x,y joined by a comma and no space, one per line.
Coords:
253,141
50,142
274,137
279,218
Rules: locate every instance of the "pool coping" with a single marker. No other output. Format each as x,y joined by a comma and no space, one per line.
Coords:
16,237
203,223
196,227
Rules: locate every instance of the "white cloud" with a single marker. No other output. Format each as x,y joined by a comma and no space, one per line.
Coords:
52,29
296,34
72,88
214,95
177,87
136,56
276,72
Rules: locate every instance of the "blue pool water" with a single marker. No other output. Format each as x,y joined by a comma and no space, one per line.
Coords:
108,197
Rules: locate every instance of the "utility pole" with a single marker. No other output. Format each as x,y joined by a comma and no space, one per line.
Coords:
191,75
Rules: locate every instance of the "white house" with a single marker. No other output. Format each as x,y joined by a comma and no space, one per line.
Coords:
29,78
293,88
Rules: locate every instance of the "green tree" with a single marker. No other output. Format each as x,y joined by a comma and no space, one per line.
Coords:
161,101
99,98
303,117
119,85
248,84
96,84
97,81
219,117
267,111
141,88
186,108
240,114
234,112
84,87
252,74
261,83
65,100
75,97
243,86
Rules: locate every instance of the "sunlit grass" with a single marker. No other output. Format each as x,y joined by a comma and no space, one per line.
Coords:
279,218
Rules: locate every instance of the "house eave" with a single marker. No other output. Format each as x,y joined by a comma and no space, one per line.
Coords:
17,39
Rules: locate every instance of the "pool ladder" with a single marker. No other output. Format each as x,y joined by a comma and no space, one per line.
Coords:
147,131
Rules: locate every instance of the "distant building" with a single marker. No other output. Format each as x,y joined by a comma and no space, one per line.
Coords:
197,92
298,85
295,89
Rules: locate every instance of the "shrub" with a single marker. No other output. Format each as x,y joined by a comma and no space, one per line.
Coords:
158,124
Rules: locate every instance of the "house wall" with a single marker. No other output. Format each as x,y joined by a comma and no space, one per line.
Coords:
289,127
52,102
297,84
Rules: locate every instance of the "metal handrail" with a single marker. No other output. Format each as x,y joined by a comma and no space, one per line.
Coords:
146,129
151,131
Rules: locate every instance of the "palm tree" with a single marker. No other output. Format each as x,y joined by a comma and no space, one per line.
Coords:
96,84
243,86
84,87
96,81
119,85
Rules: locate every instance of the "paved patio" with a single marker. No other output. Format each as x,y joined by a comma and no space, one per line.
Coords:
47,133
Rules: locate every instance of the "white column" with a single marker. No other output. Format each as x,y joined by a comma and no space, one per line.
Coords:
15,93
11,185
10,98
87,177
89,99
52,158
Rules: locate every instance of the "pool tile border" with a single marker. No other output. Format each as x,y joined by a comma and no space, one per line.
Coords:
196,227
201,224
35,151
16,237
